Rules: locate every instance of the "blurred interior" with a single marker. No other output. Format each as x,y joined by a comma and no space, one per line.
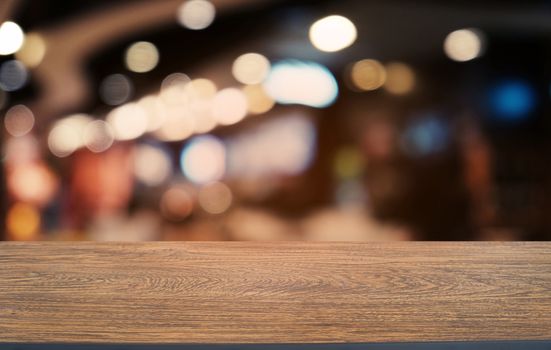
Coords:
344,120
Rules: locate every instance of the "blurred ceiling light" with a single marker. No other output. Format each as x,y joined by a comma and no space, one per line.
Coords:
258,101
128,121
174,88
306,83
98,136
141,57
23,222
201,93
281,146
19,120
178,124
32,183
196,14
400,78
463,45
215,198
115,89
11,38
13,75
33,50
176,203
155,111
229,106
152,165
332,33
200,89
203,159
250,68
368,75
66,136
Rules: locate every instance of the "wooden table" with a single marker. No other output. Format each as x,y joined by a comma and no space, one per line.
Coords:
274,292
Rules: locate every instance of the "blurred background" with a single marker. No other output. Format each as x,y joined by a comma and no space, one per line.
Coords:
275,120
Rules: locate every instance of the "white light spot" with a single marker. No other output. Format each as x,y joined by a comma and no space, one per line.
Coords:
203,159
11,38
332,33
196,14
306,83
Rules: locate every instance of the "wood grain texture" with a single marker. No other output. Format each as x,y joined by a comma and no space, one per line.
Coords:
274,292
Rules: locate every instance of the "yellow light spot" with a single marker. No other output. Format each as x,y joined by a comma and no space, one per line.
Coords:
141,57
250,68
33,50
258,100
368,75
23,222
400,78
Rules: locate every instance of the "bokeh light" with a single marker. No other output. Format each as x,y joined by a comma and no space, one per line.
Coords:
98,136
19,120
196,14
463,45
298,82
11,38
141,57
258,101
23,222
332,33
152,164
116,89
203,159
229,106
155,111
215,198
348,163
13,75
32,182
178,125
66,136
250,68
174,89
400,78
282,146
128,121
512,100
33,50
176,203
425,136
367,75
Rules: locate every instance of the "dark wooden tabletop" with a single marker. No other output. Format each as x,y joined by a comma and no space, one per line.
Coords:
274,292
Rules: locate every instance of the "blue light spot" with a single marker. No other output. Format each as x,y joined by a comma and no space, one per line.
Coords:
425,137
513,100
